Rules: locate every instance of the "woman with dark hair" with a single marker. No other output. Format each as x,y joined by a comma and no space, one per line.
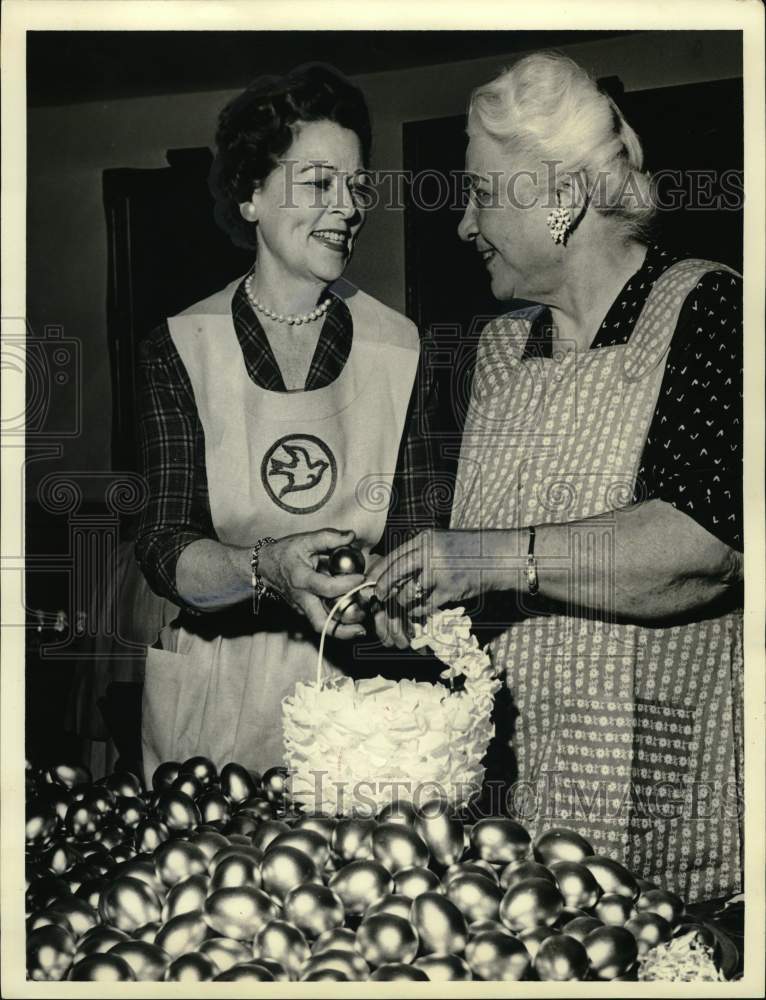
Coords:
599,489
271,413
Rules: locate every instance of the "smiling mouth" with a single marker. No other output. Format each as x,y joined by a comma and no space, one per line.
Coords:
487,255
333,239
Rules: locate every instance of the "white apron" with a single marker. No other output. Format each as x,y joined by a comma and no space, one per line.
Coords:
278,463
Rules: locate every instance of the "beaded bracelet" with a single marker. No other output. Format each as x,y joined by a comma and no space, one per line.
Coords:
259,587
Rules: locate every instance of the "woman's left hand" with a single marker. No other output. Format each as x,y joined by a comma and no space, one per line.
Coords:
436,568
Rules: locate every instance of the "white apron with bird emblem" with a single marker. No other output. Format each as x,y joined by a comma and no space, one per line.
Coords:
278,463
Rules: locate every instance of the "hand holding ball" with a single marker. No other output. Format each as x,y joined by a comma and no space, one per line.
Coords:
347,560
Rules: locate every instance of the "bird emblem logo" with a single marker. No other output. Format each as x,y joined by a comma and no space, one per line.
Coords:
299,473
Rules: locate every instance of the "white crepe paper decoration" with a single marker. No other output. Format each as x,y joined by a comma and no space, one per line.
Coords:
353,746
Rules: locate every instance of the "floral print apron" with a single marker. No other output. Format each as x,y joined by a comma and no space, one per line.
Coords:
631,735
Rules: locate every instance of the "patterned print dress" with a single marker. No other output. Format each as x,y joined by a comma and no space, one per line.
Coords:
629,734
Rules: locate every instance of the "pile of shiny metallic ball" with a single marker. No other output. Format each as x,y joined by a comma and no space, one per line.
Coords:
211,877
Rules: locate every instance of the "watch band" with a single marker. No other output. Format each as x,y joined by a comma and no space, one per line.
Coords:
533,584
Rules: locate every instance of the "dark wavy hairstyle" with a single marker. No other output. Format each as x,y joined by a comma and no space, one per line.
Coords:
256,128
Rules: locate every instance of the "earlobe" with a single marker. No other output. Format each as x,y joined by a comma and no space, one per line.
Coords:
248,211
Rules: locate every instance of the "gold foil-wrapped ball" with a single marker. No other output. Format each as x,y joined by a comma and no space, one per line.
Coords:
477,897
470,868
177,811
50,953
235,850
182,933
309,841
245,972
238,912
649,930
177,860
413,882
283,942
165,775
203,769
237,783
497,956
398,972
518,871
561,958
401,811
614,910
441,832
397,846
352,838
127,903
665,904
319,823
225,952
561,844
336,937
580,927
611,951
360,884
103,969
440,924
499,840
185,897
314,909
444,968
233,870
99,940
191,967
285,868
268,830
147,961
385,937
347,963
394,903
278,971
576,884
147,932
81,915
612,877
530,903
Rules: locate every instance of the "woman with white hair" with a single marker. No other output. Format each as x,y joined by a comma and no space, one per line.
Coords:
599,489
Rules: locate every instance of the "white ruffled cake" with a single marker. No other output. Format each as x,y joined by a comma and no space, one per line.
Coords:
353,746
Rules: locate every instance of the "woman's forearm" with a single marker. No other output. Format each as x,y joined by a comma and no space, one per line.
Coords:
647,562
211,575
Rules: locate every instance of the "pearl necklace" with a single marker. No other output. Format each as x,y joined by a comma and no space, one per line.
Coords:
296,320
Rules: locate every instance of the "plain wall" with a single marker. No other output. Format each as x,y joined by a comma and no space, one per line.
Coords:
70,146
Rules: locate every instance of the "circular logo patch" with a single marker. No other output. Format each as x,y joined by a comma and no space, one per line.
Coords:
299,473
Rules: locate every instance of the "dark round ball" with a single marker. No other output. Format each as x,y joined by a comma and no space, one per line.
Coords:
346,561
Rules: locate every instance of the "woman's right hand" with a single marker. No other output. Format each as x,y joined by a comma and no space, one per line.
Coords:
290,566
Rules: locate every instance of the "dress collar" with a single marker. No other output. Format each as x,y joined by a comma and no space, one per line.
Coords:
620,320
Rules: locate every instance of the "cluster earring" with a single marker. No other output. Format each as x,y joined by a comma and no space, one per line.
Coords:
559,222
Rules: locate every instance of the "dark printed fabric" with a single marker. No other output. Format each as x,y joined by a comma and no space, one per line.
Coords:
173,442
692,457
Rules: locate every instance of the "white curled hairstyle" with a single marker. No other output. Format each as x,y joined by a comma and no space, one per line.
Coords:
548,105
